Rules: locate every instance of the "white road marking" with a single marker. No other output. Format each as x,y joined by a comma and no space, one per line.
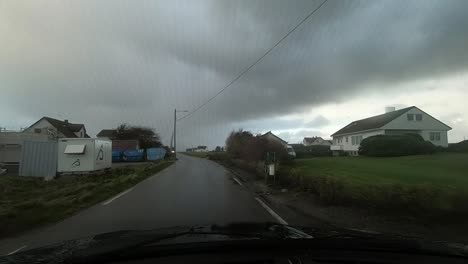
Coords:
17,250
117,196
269,210
237,180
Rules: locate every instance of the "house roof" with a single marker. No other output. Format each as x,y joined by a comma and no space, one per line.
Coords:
269,133
373,122
66,128
107,133
311,139
377,121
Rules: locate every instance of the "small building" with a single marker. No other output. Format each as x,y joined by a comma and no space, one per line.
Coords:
125,144
58,128
107,134
118,144
11,147
410,120
83,155
315,141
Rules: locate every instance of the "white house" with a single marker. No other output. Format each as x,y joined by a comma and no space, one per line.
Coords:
315,141
270,136
410,120
61,129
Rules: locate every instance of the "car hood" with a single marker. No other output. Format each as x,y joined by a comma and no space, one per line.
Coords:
107,243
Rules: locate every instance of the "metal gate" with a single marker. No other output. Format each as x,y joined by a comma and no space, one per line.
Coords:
38,159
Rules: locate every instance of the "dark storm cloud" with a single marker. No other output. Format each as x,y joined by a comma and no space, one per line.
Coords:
108,62
318,122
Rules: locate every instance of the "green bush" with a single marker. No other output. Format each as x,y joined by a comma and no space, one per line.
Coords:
253,148
221,156
395,145
461,147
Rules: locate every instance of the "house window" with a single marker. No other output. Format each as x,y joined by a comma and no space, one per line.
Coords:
418,117
410,117
434,136
37,130
353,140
346,139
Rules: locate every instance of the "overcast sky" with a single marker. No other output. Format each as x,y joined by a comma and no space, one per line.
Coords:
102,63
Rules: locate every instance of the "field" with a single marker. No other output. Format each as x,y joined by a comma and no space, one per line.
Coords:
445,170
197,154
431,182
26,202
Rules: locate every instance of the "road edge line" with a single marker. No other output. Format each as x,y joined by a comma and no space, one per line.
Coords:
16,250
117,196
272,213
238,181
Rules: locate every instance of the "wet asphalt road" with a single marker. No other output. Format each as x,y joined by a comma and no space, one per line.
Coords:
193,191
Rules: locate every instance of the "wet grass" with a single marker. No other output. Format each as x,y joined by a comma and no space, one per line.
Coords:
28,202
445,170
425,184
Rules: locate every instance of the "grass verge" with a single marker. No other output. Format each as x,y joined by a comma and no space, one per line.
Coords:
27,202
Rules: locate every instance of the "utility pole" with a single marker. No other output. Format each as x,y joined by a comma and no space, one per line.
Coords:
175,124
175,130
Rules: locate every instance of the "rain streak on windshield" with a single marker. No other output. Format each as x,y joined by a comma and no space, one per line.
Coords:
143,115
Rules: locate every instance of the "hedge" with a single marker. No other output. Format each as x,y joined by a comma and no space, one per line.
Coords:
395,145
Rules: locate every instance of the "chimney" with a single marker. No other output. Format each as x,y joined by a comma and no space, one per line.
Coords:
389,109
66,121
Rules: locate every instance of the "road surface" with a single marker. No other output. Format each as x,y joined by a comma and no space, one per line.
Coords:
193,191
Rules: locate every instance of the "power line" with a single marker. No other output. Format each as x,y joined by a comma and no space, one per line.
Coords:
253,64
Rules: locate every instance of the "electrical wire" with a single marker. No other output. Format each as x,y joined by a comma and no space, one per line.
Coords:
255,63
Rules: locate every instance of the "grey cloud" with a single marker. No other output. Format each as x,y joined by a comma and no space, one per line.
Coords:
108,62
318,121
298,136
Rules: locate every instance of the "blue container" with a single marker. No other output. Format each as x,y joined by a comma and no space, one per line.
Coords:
133,155
155,154
116,155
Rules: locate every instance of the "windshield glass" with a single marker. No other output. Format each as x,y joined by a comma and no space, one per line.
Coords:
139,115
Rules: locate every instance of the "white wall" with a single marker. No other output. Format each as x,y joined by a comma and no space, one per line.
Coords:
88,161
11,144
443,142
426,125
348,146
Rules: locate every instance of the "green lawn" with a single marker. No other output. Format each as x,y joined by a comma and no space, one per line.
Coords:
447,170
429,183
26,202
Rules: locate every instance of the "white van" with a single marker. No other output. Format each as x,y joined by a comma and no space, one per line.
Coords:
291,151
